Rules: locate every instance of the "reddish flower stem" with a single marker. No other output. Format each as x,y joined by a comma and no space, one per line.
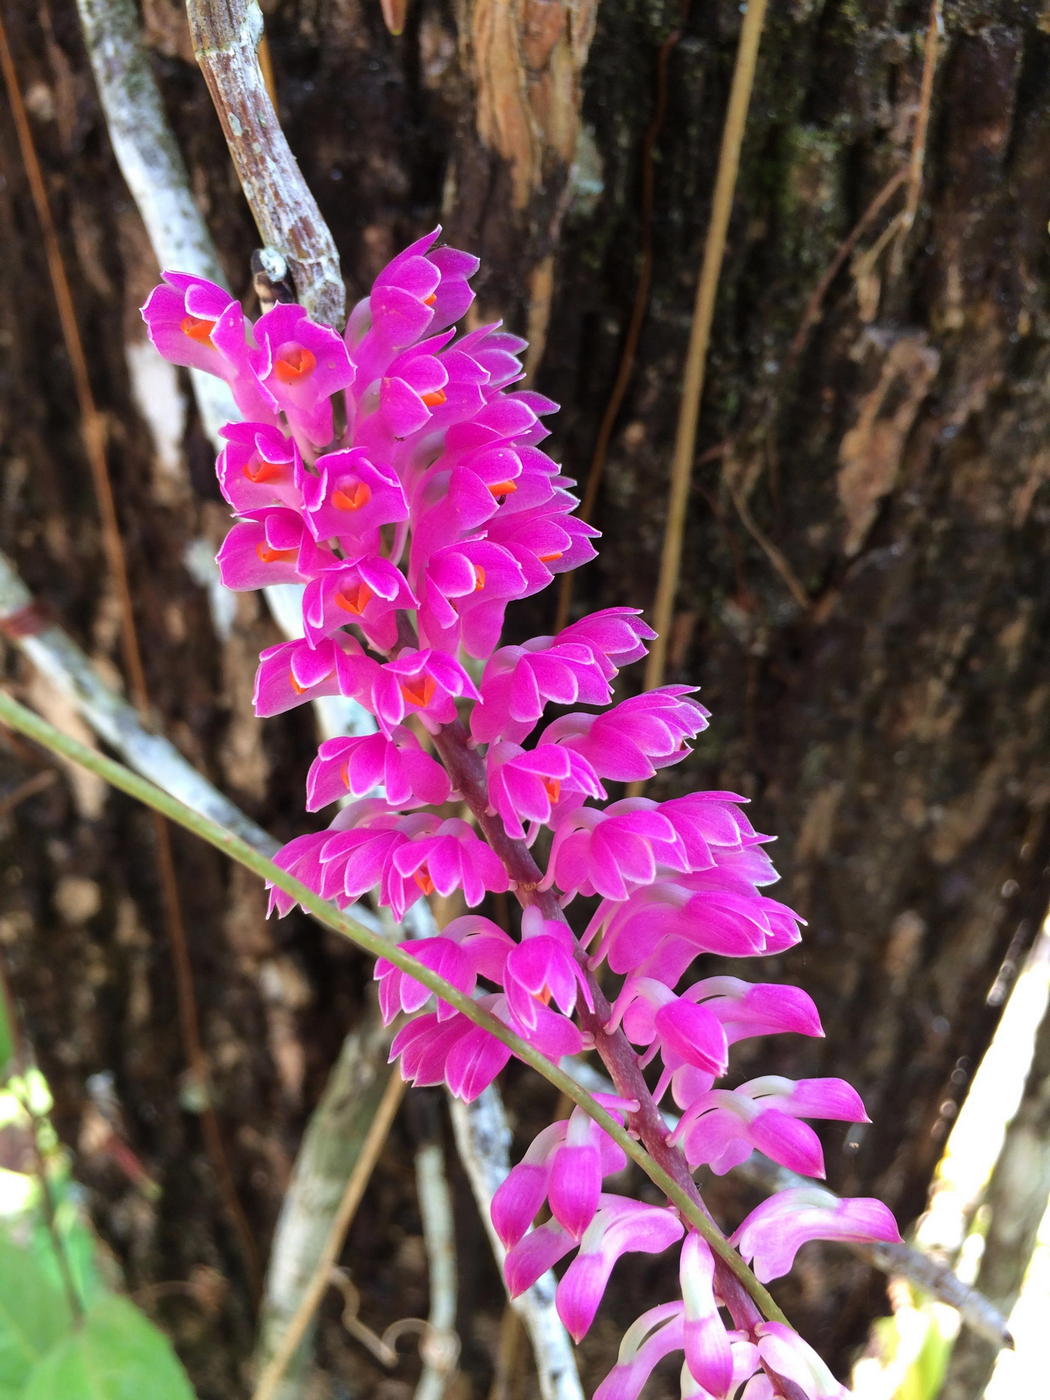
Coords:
467,771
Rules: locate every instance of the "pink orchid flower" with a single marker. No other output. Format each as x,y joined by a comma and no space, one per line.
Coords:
394,475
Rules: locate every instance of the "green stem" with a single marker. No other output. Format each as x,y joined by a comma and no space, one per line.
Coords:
25,722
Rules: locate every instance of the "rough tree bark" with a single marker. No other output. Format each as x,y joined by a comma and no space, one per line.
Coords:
863,597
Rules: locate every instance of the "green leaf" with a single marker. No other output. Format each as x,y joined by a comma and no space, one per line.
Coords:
115,1354
7,1037
34,1316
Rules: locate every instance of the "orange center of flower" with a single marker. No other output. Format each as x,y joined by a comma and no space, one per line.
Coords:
197,329
274,556
549,558
344,773
354,598
479,578
423,880
258,469
294,362
351,497
431,299
502,488
434,398
419,690
552,787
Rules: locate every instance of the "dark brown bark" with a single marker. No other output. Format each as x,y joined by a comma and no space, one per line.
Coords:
864,598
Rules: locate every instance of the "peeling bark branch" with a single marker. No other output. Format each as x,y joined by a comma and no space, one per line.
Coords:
1017,1199
329,1152
439,1348
152,165
483,1139
226,36
54,653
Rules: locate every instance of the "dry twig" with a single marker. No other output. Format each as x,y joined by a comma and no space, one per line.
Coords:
931,52
331,1148
310,1298
700,335
639,306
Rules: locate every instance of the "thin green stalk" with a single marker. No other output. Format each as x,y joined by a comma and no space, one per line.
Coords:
25,722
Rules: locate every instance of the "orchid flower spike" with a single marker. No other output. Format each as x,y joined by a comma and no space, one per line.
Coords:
396,475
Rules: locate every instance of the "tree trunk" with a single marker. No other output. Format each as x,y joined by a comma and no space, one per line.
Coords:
863,595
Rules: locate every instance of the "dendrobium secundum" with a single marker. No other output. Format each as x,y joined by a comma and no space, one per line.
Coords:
396,475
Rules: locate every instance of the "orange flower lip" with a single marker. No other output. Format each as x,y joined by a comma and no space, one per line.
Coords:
549,558
293,362
354,598
197,328
257,469
419,691
434,398
502,488
351,497
273,556
423,880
